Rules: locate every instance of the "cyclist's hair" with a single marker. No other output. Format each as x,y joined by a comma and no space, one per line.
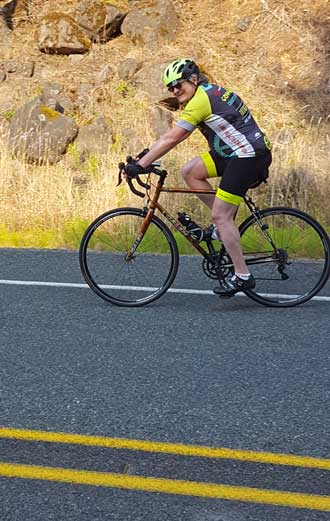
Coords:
202,78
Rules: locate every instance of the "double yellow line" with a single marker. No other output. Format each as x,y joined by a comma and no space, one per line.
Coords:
167,486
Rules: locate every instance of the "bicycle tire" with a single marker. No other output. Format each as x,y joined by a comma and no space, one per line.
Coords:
104,265
302,240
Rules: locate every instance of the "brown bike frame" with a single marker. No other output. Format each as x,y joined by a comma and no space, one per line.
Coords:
154,204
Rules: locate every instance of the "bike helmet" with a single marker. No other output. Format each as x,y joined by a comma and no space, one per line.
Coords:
179,70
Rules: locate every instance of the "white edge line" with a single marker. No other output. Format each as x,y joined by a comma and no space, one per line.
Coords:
171,290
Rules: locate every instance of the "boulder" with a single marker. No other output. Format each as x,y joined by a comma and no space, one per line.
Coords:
3,73
39,133
58,33
131,141
128,68
5,33
15,11
54,96
100,20
24,69
149,82
94,138
104,75
245,23
4,22
161,122
152,26
83,97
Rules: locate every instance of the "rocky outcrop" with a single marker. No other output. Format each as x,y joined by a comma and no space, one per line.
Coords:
105,74
128,68
15,11
54,95
94,138
152,26
101,21
5,33
39,133
59,34
131,142
2,73
83,92
18,69
161,121
149,82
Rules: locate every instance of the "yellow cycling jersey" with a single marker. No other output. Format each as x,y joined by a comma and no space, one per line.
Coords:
225,121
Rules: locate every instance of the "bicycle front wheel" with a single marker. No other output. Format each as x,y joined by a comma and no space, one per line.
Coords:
287,252
128,280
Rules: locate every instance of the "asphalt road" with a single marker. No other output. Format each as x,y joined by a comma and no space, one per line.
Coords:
188,369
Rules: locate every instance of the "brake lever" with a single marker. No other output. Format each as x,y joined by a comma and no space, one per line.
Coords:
121,169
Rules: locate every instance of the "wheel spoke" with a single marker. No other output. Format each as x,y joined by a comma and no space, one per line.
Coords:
302,256
123,280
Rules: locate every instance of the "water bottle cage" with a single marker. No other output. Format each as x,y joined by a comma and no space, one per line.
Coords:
196,232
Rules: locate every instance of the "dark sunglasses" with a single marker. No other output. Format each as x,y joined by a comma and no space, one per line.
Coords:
177,85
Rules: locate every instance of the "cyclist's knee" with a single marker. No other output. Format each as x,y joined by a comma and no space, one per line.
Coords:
186,170
194,168
218,218
223,213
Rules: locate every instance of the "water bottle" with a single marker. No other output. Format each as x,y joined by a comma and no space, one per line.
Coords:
191,226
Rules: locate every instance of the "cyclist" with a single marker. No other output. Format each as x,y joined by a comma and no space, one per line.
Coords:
239,154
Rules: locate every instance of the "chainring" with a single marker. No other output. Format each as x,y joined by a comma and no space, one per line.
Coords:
210,265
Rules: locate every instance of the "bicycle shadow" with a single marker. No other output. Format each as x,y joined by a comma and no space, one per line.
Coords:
215,304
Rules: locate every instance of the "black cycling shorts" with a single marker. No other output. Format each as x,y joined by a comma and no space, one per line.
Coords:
237,174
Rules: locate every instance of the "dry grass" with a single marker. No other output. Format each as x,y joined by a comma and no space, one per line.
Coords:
279,65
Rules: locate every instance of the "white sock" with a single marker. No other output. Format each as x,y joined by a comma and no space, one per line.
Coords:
243,276
215,233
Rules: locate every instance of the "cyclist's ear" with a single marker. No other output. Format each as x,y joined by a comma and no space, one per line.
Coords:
194,79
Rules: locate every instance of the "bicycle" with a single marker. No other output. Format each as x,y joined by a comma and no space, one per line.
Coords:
129,256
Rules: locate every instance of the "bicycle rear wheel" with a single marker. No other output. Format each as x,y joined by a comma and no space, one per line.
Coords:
138,280
299,265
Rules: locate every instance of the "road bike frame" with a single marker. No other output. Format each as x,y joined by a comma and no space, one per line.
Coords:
153,204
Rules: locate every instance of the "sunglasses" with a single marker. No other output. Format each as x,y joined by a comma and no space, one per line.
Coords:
177,85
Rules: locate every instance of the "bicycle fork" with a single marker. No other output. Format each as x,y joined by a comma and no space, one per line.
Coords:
148,215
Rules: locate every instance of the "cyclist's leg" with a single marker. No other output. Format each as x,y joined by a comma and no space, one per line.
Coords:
196,172
239,174
223,215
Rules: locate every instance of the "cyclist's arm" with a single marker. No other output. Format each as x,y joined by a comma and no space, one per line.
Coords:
164,144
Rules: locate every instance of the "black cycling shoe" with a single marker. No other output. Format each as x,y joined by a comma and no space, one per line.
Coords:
234,285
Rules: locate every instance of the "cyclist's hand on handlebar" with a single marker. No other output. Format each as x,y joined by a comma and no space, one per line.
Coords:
133,169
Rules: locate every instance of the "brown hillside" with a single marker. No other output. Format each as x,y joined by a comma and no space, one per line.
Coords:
274,53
